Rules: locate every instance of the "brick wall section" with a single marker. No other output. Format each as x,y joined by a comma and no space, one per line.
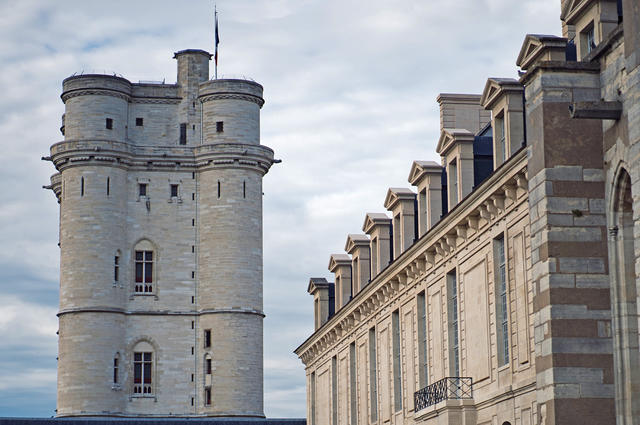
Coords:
568,230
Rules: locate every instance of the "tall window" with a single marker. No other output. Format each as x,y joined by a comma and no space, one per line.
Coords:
397,364
207,338
423,375
207,396
454,352
208,365
352,383
142,373
116,367
334,390
502,320
423,220
144,271
453,183
374,257
81,186
183,134
312,384
397,236
355,282
373,375
501,143
116,267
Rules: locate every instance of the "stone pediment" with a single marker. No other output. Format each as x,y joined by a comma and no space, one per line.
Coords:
398,194
338,260
354,241
450,136
572,10
541,47
373,219
421,168
496,87
316,283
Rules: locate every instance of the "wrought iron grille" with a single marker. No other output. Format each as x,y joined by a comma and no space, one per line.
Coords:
444,389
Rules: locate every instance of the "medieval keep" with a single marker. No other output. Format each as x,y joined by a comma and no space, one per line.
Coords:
501,288
160,193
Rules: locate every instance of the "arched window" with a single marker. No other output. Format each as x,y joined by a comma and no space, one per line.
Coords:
145,273
143,369
624,296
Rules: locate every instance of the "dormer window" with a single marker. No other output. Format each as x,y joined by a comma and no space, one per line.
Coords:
588,39
453,182
501,139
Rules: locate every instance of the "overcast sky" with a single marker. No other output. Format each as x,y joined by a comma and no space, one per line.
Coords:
350,89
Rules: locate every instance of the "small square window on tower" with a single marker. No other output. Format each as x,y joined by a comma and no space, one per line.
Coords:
139,122
109,123
219,127
142,189
174,190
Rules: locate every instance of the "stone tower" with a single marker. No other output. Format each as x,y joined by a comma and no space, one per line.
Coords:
160,193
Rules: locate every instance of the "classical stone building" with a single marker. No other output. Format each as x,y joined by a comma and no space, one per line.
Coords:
502,291
160,193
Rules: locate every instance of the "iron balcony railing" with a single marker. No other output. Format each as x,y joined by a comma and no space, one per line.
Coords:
444,389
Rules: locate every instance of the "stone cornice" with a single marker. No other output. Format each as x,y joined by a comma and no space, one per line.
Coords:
94,92
235,96
501,192
114,310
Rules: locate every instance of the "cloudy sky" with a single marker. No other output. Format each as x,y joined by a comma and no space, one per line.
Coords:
350,89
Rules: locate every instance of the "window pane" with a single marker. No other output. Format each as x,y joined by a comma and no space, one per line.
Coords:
137,373
147,357
147,373
148,255
137,357
138,255
148,276
138,272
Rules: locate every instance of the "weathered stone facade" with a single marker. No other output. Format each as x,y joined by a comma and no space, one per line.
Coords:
515,300
160,192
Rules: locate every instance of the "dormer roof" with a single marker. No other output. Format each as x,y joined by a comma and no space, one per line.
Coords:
536,45
316,283
421,168
572,10
398,194
448,136
337,260
354,241
373,219
495,87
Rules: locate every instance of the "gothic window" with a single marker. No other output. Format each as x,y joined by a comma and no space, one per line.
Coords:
144,269
143,369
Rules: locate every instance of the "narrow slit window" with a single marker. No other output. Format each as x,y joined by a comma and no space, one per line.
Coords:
244,189
139,122
116,268
108,185
115,370
207,338
208,366
183,134
81,186
219,127
218,189
109,124
207,396
373,375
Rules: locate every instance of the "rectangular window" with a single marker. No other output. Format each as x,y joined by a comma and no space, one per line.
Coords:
501,143
142,189
397,364
334,390
108,185
424,223
115,370
207,396
373,375
502,307
174,190
312,390
208,366
397,236
144,271
453,183
374,257
355,282
183,134
116,268
352,383
423,371
219,127
139,122
142,367
207,338
452,308
109,123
